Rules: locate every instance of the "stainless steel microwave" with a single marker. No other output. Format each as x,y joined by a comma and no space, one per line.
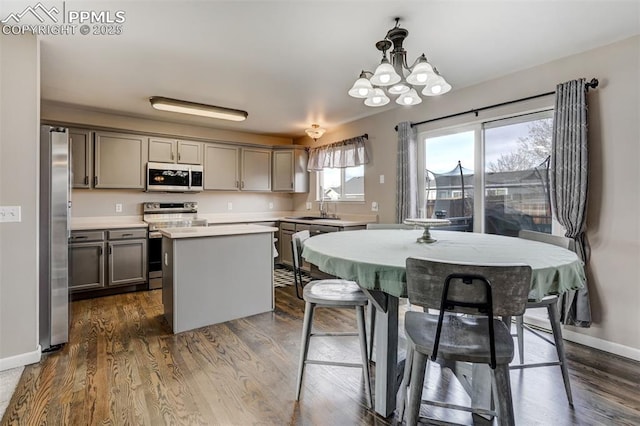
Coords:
165,177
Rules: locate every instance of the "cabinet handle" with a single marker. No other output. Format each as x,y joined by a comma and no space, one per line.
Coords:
100,252
291,185
127,235
79,237
95,181
86,180
242,185
178,156
110,250
237,184
172,155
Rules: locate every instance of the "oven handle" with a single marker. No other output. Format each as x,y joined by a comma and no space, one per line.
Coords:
154,235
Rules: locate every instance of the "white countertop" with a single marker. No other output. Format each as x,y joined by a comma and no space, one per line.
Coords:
106,222
215,231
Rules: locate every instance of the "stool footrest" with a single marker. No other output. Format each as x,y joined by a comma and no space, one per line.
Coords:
334,363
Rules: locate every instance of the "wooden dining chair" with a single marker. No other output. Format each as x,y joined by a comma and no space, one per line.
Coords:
330,293
551,304
479,291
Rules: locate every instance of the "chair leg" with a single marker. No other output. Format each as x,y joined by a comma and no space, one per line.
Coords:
554,318
520,332
402,400
502,395
372,328
362,336
304,349
418,368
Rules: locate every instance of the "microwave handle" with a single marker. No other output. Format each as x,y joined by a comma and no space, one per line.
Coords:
190,177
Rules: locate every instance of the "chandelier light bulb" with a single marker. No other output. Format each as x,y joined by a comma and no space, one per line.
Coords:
385,75
437,86
378,98
398,89
361,88
409,98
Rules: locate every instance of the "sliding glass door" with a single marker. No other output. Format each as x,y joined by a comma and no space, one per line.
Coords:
489,177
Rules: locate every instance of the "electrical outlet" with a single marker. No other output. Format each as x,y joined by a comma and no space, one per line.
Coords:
270,205
374,206
381,178
229,206
118,208
308,205
10,214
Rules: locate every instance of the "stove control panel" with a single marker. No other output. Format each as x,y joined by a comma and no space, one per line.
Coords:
158,207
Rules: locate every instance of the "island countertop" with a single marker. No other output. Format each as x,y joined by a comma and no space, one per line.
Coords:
215,231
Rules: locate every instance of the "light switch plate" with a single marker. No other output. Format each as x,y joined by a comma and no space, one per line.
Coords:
118,208
10,214
381,178
374,206
270,205
229,206
308,205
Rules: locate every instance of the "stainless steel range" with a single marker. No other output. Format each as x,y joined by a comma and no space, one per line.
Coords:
166,215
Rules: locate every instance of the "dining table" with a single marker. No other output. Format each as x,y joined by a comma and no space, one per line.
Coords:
376,258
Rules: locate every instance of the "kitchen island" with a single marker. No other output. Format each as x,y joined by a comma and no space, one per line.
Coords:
216,274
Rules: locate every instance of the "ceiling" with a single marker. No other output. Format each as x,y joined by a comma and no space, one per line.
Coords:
290,63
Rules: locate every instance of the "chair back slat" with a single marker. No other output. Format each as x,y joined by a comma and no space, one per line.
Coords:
510,285
556,240
297,240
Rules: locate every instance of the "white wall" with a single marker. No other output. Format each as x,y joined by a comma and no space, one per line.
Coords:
614,182
19,136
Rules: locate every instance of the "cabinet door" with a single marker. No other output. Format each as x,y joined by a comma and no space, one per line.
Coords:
285,251
221,167
283,171
256,170
127,262
189,152
120,160
86,266
162,150
81,157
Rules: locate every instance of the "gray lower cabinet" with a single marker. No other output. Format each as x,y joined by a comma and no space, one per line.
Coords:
100,259
86,266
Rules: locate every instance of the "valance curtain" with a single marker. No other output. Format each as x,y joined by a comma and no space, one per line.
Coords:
568,185
347,153
407,173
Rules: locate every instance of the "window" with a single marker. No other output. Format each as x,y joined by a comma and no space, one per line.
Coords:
492,175
343,184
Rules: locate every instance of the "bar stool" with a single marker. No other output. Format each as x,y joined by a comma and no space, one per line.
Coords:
330,293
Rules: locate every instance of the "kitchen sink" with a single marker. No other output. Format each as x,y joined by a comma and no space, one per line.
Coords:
312,218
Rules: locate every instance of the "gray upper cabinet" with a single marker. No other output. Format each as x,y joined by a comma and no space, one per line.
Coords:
81,158
120,160
164,150
290,170
221,167
256,169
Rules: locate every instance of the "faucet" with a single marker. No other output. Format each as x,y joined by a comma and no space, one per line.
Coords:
322,207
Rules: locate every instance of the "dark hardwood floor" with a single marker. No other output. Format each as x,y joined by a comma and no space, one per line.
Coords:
122,366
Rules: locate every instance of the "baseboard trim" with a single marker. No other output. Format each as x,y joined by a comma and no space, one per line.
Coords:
603,345
21,359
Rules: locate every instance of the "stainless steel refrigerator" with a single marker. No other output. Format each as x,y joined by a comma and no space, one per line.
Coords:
55,212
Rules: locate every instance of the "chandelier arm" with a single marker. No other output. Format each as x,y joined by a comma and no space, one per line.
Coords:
410,68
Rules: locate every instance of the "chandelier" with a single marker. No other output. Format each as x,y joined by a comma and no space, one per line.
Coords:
391,75
315,132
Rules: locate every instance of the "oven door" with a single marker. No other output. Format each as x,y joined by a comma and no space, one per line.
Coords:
155,260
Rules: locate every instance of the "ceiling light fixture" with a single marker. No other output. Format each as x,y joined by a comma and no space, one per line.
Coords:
315,132
185,107
391,75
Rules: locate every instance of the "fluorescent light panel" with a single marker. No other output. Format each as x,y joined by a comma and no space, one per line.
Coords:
193,108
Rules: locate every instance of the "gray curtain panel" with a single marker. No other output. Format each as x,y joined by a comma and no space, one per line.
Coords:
568,185
407,173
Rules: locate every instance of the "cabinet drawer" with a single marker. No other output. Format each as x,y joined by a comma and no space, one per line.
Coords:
287,226
302,227
85,236
321,229
122,234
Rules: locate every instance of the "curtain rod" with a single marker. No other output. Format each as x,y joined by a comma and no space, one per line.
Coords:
589,85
